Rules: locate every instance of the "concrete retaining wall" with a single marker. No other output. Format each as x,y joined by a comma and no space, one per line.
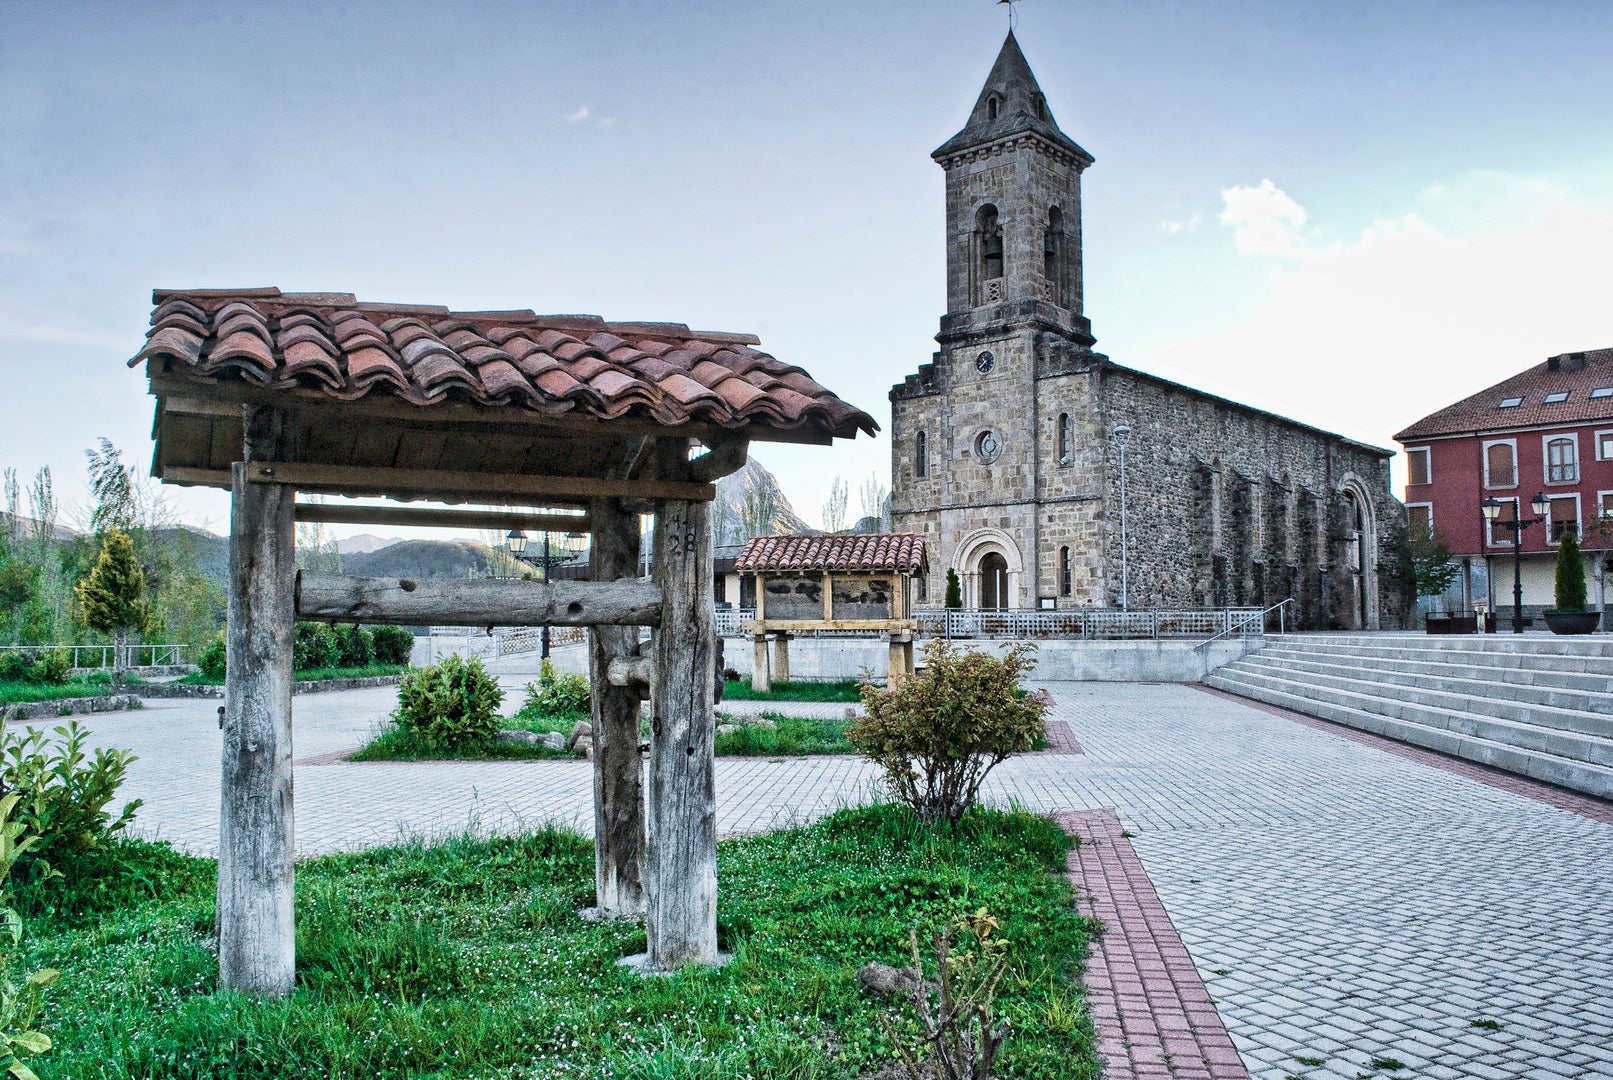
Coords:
35,710
1082,661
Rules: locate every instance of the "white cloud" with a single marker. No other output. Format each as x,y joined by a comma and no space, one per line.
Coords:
579,116
1264,220
1477,279
1172,227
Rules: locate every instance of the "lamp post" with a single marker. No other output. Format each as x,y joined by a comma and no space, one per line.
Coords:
1492,513
570,547
1120,432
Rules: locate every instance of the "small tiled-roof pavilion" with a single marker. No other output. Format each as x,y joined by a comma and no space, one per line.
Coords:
269,393
829,583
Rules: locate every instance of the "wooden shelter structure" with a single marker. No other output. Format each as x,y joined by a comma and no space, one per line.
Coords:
827,584
268,393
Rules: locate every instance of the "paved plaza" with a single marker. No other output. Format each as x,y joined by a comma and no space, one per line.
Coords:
1349,908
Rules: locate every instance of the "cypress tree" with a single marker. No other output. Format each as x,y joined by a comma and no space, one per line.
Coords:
954,598
112,595
1570,574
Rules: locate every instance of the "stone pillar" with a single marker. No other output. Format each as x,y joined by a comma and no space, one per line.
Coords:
781,656
760,676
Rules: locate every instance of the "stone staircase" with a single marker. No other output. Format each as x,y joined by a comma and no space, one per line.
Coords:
1540,707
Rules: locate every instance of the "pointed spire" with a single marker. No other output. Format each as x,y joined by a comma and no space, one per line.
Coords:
1011,102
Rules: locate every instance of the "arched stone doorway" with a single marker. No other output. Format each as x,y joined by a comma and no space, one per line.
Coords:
990,566
1358,605
993,581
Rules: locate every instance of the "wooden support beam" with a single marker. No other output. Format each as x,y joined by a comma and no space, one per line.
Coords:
257,940
720,461
681,913
828,597
631,671
619,838
781,657
500,520
761,668
467,486
428,602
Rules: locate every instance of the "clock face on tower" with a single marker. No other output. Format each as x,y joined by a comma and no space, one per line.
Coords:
985,362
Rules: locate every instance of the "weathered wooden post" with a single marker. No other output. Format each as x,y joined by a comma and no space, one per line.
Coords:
781,656
681,916
618,781
760,667
256,931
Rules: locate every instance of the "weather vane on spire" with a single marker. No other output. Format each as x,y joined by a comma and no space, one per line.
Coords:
1012,15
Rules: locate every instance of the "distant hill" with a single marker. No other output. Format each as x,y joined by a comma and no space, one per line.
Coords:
211,550
366,542
420,559
735,489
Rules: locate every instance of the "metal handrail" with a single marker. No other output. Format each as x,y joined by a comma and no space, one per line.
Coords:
1259,620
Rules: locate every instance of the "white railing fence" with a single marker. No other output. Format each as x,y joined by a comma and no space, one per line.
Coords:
1096,623
476,642
100,656
730,620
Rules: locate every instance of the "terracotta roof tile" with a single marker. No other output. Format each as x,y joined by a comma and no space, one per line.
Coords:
866,552
1577,374
335,345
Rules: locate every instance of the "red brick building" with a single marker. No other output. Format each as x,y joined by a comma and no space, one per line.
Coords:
1547,430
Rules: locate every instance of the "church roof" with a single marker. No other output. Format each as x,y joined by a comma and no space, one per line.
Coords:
839,552
1020,107
1567,389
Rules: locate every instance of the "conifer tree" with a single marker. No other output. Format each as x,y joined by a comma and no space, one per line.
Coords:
954,598
112,596
1570,573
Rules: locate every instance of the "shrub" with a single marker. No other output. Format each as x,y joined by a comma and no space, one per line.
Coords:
555,694
19,1003
13,666
314,645
355,647
939,734
393,645
450,705
51,667
212,657
1570,573
63,796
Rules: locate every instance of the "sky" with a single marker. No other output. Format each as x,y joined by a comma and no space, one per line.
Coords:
1351,214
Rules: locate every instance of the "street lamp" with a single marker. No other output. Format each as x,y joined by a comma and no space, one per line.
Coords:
1492,513
571,545
1120,432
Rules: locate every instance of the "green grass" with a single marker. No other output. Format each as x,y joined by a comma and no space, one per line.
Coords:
466,959
196,678
843,690
790,736
96,684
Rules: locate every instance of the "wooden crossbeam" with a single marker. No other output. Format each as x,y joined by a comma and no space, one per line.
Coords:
335,513
410,602
467,486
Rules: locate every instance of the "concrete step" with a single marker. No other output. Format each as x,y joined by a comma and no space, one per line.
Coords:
1457,736
1535,726
1490,689
1591,645
1525,659
1459,666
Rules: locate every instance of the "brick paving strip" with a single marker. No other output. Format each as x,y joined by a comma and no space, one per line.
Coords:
1153,1016
1584,805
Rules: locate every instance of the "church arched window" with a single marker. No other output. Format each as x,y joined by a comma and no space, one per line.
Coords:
1066,450
990,235
921,455
1053,254
992,104
1066,581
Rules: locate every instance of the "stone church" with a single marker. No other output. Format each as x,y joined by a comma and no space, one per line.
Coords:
1022,455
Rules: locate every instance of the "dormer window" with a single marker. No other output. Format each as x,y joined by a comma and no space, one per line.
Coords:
1510,403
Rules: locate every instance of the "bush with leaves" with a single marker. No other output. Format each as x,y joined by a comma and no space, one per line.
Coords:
393,645
450,705
64,794
314,645
48,668
555,694
939,733
962,1036
355,647
211,660
19,1002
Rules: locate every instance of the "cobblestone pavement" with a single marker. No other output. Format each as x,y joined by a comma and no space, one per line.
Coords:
1348,909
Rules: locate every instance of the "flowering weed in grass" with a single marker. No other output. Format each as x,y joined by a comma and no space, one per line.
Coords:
467,959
